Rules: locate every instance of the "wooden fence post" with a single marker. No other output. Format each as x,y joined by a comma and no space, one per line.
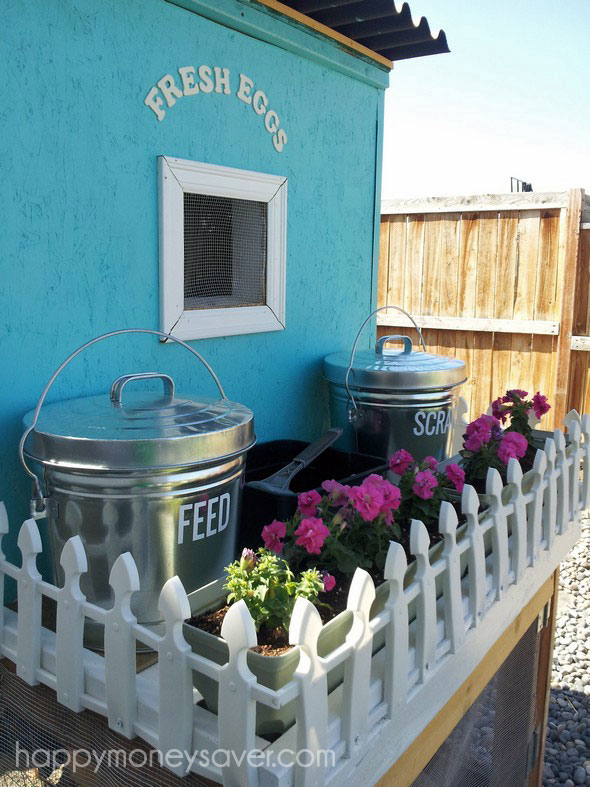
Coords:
567,284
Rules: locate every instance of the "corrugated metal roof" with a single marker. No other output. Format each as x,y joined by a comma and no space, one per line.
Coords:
377,25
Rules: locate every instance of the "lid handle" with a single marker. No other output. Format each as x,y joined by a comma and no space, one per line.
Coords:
356,341
38,504
121,382
384,339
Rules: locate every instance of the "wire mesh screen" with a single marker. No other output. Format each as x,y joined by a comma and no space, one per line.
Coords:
225,250
43,743
490,746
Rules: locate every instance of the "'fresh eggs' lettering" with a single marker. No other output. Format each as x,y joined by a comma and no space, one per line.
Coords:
207,517
431,423
204,79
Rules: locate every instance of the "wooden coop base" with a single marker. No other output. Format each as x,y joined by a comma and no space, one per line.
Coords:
413,761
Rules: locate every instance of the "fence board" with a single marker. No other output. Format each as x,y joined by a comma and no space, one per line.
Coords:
467,266
431,272
397,275
414,263
449,249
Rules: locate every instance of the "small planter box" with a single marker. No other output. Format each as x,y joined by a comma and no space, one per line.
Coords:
274,672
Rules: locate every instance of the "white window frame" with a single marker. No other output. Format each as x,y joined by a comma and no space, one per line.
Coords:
177,176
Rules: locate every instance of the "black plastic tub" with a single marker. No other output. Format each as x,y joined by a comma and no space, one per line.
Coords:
259,508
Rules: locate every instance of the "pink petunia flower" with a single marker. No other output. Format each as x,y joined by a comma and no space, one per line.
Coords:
513,446
400,461
392,497
329,581
479,432
540,404
456,476
424,484
272,535
476,439
513,394
430,462
311,534
498,410
308,502
367,500
338,492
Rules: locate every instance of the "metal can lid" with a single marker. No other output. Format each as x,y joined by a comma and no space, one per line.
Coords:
394,370
145,430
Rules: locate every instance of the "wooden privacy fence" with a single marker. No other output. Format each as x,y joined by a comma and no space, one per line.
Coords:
500,281
401,665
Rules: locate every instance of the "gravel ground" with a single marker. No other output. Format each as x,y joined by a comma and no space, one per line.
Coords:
567,747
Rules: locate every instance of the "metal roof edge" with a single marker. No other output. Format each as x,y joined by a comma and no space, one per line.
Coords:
258,21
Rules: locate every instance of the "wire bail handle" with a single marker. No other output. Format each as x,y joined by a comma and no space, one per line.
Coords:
353,411
38,503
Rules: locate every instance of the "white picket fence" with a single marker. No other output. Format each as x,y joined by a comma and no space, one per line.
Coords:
439,620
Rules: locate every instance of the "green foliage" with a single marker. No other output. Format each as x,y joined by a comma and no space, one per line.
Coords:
269,587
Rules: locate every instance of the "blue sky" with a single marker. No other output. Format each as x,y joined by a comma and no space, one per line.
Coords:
512,98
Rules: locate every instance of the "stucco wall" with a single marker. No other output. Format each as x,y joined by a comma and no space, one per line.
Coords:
79,206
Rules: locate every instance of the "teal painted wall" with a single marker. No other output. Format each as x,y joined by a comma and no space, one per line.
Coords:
78,199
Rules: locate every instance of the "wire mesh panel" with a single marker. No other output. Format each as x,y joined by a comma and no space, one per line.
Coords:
490,746
43,743
225,252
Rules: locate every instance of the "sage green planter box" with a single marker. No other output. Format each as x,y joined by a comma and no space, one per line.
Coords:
274,672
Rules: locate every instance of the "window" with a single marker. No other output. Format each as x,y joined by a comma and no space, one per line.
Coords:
222,250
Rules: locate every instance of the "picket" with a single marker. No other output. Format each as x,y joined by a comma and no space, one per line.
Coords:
517,519
396,634
29,600
452,596
499,531
119,644
3,531
550,497
534,511
586,455
175,719
426,600
69,657
528,525
312,700
476,565
237,708
562,482
357,671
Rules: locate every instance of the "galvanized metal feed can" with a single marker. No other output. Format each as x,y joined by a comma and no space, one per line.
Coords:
391,399
144,472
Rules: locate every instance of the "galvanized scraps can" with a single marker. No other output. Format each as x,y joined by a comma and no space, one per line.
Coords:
391,399
145,472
